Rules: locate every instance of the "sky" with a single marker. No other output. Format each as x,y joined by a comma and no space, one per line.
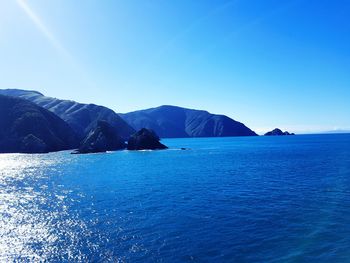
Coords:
266,63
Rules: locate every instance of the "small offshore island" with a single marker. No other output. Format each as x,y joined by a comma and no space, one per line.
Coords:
278,132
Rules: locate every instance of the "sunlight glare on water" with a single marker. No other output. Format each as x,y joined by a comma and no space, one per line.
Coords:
24,225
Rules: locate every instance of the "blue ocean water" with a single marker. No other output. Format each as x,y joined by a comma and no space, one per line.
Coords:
247,199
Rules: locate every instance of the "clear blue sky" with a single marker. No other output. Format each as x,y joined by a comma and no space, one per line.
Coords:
267,63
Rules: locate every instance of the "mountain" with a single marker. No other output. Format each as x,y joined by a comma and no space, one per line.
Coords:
81,117
166,121
28,128
172,122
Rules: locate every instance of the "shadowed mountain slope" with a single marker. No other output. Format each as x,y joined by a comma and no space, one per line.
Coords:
28,128
81,117
172,122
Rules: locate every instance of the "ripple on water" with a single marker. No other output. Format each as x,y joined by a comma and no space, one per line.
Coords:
226,199
34,221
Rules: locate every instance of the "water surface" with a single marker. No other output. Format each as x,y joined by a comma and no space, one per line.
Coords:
248,199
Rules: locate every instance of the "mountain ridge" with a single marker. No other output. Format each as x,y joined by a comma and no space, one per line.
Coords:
167,121
81,117
173,121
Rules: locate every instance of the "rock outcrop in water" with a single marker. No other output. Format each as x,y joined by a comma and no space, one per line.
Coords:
175,122
28,128
145,139
102,138
81,117
278,132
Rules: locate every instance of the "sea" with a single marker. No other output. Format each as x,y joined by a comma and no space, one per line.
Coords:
234,199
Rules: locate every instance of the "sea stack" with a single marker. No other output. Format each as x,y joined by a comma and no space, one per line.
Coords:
145,139
102,138
278,132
